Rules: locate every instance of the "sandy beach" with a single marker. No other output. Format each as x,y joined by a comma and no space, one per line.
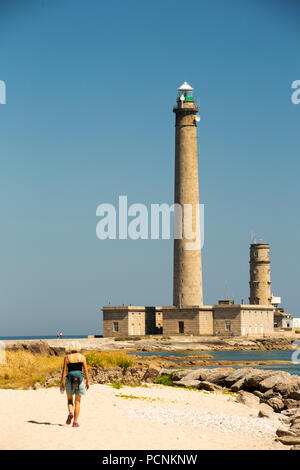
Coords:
160,418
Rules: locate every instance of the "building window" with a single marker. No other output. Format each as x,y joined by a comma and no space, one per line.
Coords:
227,325
116,326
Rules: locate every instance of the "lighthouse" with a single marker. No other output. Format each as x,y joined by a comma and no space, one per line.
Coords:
187,268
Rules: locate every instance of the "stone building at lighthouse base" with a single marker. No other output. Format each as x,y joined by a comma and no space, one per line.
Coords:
225,319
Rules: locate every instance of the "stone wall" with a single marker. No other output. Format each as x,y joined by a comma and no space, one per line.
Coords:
188,316
243,320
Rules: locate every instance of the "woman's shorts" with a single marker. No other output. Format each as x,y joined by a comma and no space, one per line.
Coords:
75,389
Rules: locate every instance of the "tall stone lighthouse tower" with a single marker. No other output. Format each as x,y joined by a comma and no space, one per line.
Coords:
187,274
260,277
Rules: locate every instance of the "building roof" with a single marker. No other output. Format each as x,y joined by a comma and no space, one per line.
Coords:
185,86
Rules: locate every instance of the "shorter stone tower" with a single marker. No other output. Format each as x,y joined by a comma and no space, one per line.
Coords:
260,277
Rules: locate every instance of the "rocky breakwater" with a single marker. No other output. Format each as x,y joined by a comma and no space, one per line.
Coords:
273,393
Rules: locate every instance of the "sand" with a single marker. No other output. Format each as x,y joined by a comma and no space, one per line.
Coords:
161,418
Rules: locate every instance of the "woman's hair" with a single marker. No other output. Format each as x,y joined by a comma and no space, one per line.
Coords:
73,347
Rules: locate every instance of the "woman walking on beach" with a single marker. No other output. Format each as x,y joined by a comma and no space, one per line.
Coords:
73,380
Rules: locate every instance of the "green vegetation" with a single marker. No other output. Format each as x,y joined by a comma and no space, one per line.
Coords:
227,392
117,385
108,359
134,397
165,379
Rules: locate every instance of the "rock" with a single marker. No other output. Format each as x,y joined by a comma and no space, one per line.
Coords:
271,381
150,375
258,394
291,412
36,386
284,431
289,403
276,403
239,385
253,380
295,419
265,411
289,440
297,447
295,429
235,376
269,394
179,375
188,383
295,395
247,398
203,385
217,376
196,374
288,387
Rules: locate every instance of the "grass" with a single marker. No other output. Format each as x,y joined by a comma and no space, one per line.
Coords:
109,359
117,385
165,379
128,338
134,397
22,369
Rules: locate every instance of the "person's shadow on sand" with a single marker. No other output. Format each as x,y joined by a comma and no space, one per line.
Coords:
49,424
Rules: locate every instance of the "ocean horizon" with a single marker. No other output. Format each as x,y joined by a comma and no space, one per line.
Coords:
14,338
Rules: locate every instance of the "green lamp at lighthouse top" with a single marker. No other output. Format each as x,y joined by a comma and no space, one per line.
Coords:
185,92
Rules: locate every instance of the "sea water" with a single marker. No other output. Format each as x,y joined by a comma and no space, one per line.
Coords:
257,355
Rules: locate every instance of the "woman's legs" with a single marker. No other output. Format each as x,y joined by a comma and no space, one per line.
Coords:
77,407
70,403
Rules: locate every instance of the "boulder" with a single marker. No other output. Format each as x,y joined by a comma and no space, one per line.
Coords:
295,428
150,375
253,380
269,394
289,440
203,385
238,374
258,394
247,398
289,386
178,375
295,395
289,403
188,383
217,376
196,374
265,411
284,431
271,381
276,403
291,412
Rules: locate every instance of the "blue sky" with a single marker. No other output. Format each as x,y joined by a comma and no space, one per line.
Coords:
90,90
